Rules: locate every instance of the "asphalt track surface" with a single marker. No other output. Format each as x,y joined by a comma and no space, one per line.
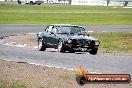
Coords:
100,63
13,29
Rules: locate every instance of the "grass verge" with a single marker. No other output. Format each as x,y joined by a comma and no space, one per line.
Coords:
115,42
50,14
24,39
6,84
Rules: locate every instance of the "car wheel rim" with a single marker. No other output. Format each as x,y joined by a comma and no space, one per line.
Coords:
60,46
40,44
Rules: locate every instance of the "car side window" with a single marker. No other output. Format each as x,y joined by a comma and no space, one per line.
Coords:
49,29
46,29
54,30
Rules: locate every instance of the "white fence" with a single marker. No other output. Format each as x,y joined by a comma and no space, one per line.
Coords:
48,1
58,1
120,3
103,2
89,2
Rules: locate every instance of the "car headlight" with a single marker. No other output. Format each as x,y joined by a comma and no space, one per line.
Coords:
97,42
69,41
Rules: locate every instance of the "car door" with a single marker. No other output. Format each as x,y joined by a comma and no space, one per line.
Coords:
48,37
54,37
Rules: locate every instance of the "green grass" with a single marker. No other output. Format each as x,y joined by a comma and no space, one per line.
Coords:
5,84
50,14
115,42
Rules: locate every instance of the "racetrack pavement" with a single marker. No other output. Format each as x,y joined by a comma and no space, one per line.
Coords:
13,29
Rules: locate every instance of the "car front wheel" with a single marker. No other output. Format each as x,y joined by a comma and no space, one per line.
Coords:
41,45
61,46
71,51
93,51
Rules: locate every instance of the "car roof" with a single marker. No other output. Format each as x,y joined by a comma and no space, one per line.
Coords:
64,25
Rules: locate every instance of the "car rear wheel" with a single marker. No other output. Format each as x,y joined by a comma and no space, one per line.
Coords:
61,46
41,45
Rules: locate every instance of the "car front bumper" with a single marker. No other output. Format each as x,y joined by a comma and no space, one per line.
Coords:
81,48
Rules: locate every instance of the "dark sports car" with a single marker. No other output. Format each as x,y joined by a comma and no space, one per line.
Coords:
66,37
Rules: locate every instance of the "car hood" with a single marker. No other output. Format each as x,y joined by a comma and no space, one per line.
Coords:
78,37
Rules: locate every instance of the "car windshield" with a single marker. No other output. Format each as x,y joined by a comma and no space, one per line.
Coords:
71,30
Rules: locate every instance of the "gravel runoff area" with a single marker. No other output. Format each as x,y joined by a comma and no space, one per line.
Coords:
33,76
